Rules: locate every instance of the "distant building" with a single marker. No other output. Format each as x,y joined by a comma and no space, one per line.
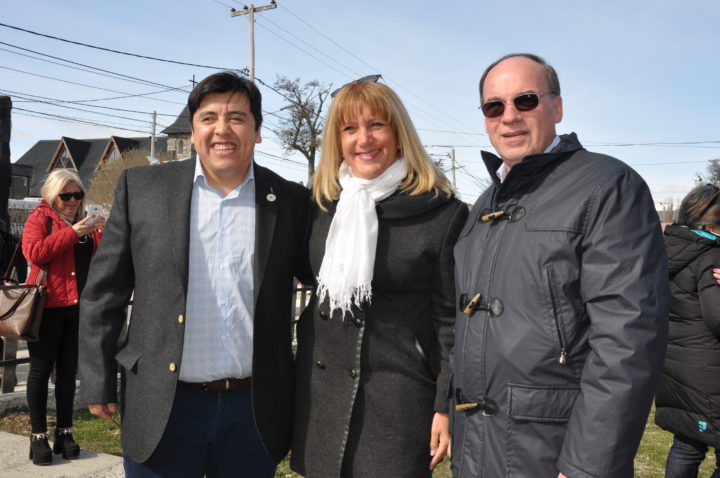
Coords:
86,156
179,133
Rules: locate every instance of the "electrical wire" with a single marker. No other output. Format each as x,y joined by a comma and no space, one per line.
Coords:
39,114
116,51
266,19
31,98
80,84
86,68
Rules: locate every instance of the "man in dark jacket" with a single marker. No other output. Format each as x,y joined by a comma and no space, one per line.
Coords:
562,297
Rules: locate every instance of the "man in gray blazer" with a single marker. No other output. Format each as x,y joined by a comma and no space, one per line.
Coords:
209,247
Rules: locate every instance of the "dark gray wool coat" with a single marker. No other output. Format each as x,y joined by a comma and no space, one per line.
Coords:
688,400
565,350
368,385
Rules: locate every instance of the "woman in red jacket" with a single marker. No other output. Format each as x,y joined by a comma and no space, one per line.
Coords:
58,235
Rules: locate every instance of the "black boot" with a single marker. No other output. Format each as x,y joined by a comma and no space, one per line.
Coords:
40,452
65,444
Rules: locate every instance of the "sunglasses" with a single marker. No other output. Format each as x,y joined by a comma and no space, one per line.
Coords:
364,79
524,102
67,196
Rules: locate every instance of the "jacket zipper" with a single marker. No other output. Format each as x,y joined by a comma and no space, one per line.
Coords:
562,360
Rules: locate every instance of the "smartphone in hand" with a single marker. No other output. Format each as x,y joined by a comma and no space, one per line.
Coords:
94,211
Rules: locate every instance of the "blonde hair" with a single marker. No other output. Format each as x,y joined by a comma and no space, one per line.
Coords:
55,183
423,175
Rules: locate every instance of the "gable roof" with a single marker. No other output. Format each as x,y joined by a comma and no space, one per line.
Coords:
86,155
181,125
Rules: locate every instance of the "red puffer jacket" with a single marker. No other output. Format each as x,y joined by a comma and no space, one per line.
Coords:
57,251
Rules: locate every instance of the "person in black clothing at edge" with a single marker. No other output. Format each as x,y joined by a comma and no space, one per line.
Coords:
688,400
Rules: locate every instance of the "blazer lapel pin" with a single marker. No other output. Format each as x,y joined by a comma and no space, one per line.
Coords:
271,197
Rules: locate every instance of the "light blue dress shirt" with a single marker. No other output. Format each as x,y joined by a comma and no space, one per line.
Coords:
219,311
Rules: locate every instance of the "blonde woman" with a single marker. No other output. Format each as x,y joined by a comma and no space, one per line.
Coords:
372,364
57,236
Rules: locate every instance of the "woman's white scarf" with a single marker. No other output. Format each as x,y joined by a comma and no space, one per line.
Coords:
347,267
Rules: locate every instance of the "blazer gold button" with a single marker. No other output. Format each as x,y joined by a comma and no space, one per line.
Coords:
323,315
172,366
358,322
72,273
353,373
181,319
320,365
75,301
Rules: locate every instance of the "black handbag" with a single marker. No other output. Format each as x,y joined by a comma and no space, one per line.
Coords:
21,305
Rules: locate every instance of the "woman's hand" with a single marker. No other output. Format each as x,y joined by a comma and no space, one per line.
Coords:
82,229
716,273
99,223
439,438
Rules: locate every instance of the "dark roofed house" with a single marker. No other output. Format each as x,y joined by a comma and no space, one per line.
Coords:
87,156
84,155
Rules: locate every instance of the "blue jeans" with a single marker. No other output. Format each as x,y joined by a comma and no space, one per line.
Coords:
685,456
208,434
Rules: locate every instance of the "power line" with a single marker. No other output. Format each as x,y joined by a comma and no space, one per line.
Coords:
304,51
92,112
223,4
184,90
451,132
110,74
309,45
441,111
31,98
115,51
258,80
80,84
73,120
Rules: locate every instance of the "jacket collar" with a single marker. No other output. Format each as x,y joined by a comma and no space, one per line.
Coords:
531,167
684,246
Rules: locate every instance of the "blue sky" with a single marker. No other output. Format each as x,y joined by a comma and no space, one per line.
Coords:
632,73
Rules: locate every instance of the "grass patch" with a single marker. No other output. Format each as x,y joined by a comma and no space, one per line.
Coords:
89,431
101,435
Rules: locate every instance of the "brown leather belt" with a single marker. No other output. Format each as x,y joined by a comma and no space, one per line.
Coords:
222,385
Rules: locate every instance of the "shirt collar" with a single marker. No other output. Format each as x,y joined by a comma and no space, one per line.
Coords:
502,170
200,179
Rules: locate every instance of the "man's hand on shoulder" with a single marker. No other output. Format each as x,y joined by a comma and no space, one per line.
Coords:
560,475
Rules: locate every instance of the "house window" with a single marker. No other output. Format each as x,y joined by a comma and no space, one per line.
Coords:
64,161
180,145
20,187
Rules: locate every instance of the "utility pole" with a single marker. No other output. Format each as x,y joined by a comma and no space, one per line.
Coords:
152,140
452,159
250,12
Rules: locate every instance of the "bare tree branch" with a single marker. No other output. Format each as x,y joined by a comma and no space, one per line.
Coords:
302,130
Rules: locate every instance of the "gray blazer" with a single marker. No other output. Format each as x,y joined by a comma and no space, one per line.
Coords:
145,250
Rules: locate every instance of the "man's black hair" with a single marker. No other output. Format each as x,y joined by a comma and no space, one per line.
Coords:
227,82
